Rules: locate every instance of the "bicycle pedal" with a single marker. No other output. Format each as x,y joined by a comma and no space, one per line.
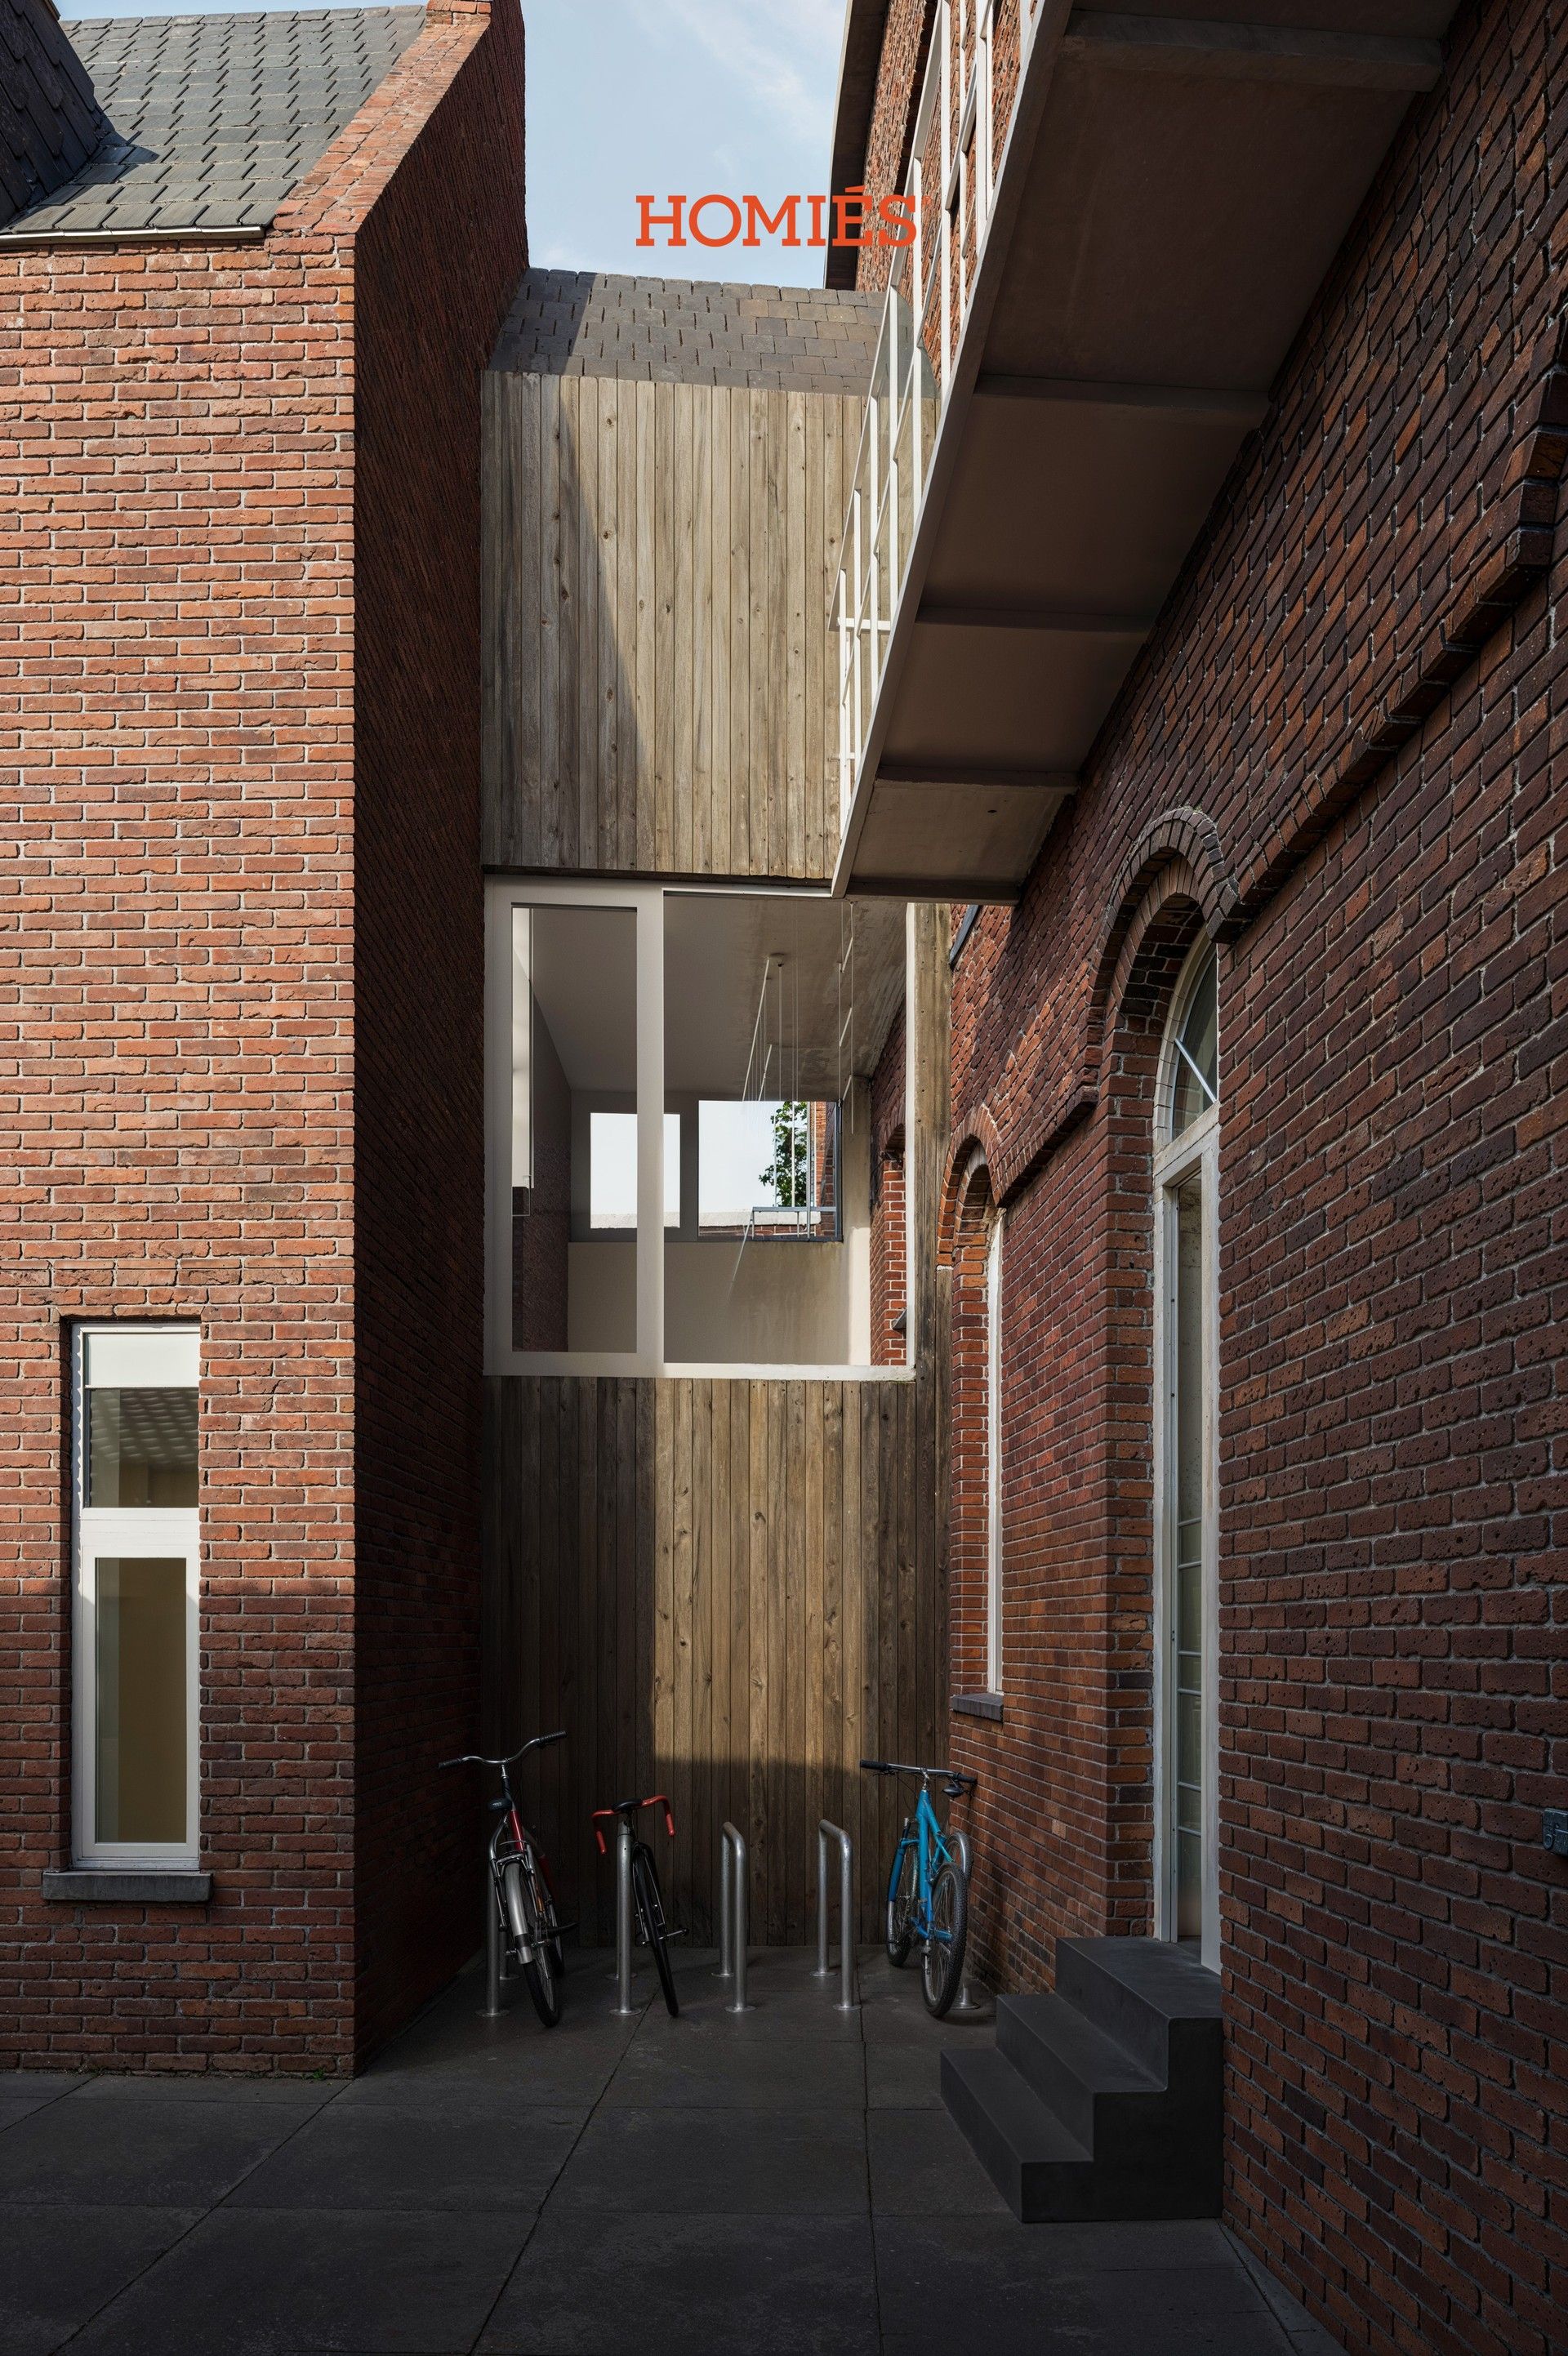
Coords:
562,1928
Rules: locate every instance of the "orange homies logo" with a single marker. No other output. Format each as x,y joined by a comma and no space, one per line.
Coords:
744,220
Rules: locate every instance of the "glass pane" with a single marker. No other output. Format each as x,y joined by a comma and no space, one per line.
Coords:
1188,1418
1196,1079
1187,1454
612,1171
141,1448
575,1194
1189,1885
783,1059
139,1748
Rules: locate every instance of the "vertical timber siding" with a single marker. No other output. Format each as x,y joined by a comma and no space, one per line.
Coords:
724,1590
659,695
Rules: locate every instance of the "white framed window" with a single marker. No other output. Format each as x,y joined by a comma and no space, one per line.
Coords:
677,1126
993,1456
1186,1350
136,1568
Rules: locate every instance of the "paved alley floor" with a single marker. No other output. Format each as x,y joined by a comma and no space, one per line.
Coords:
785,2181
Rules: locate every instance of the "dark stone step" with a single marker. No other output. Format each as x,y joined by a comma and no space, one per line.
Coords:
1152,1997
1105,2099
1072,2066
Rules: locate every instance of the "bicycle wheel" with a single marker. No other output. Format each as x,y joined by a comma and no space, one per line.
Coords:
549,1914
903,1900
941,1966
530,1936
650,1907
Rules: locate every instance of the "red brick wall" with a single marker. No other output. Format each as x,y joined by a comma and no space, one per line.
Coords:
1341,751
178,720
436,264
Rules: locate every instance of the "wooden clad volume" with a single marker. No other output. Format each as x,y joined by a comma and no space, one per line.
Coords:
658,693
727,1590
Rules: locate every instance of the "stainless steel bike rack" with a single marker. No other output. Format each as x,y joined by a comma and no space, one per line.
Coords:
733,1914
623,1919
496,1972
827,1832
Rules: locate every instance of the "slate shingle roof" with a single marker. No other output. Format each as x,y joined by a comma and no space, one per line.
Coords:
216,118
585,323
49,120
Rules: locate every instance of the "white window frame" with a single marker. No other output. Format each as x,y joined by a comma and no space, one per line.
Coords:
503,894
993,1455
1195,1152
134,1530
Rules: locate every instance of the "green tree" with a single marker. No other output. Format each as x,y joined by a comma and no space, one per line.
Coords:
785,1175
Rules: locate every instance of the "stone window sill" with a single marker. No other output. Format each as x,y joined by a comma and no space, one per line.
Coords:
91,1885
978,1705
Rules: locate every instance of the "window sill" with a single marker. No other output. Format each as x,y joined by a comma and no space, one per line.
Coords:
127,1886
978,1705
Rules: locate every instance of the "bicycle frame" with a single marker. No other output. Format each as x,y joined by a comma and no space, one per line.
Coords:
511,1839
934,1851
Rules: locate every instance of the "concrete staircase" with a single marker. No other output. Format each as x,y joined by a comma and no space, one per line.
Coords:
1103,2100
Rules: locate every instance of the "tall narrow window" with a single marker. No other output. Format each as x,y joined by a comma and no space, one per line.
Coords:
993,1457
137,1553
1186,1147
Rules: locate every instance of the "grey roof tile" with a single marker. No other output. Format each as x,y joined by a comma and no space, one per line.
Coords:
796,339
49,118
215,119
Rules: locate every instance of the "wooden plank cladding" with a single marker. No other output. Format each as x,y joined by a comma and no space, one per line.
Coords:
659,557
727,1590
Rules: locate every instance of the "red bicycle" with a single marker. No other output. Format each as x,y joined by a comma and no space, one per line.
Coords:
520,1880
652,1931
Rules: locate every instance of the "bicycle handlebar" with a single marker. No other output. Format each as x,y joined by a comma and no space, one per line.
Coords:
628,1808
473,1758
957,1780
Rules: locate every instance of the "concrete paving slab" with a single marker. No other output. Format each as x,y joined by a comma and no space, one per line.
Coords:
922,2167
728,2061
723,2162
270,2282
59,2266
700,2285
380,2158
137,2155
301,2095
904,2076
973,2284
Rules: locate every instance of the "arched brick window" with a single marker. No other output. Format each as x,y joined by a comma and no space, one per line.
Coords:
1186,1325
976,1532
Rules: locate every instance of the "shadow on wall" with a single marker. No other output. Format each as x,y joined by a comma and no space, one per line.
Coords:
723,1591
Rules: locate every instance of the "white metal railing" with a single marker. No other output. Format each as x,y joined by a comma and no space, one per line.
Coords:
951,184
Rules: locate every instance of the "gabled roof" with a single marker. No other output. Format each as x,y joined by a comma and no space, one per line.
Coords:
49,120
689,331
215,119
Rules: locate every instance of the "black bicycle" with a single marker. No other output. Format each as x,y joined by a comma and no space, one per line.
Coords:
653,1930
520,1880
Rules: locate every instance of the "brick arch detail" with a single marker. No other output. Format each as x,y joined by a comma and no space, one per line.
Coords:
1178,854
977,1144
1178,858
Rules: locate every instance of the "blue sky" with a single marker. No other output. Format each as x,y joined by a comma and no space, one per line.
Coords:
626,96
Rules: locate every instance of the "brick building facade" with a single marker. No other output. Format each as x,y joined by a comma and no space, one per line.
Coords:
1316,765
237,683
1339,757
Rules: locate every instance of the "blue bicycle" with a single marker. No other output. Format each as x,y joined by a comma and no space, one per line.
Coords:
928,1889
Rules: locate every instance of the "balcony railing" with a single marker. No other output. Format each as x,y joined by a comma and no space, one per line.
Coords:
974,72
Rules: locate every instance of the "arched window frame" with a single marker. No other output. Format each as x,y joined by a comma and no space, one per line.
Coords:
993,1249
1180,1159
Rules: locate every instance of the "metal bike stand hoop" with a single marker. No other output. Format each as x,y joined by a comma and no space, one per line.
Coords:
495,1945
733,1926
623,1919
825,1833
